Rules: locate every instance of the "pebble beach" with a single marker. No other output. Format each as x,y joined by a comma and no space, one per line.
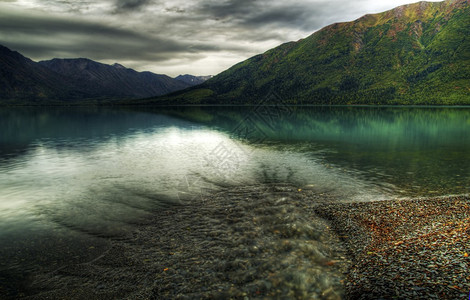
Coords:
280,242
405,249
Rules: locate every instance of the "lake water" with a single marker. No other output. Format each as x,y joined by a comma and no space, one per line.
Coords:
70,178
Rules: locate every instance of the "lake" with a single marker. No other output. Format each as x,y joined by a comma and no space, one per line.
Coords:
73,178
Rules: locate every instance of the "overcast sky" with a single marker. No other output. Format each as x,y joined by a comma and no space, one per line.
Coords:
198,37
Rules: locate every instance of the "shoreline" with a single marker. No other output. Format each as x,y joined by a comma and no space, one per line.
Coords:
407,248
279,241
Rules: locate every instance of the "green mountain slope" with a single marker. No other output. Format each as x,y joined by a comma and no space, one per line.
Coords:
413,54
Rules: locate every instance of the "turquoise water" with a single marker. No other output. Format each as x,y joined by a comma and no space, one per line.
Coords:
73,178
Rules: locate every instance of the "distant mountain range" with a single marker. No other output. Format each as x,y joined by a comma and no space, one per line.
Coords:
413,54
193,80
23,81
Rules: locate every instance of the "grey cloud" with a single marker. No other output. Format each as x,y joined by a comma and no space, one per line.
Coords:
304,16
230,8
287,16
125,5
259,14
175,10
37,36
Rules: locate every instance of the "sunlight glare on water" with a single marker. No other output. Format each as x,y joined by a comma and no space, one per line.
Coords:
86,185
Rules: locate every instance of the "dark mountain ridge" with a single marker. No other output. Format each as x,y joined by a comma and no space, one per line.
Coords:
81,80
22,78
113,80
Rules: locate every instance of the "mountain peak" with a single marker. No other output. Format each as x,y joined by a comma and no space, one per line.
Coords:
193,80
119,66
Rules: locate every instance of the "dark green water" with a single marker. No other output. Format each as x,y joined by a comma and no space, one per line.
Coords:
407,151
71,178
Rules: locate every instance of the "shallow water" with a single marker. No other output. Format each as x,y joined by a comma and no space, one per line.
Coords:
73,178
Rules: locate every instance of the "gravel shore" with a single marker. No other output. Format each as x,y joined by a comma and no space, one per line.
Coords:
280,242
406,249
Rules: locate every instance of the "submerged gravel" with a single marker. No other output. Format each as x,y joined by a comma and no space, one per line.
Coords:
244,243
281,242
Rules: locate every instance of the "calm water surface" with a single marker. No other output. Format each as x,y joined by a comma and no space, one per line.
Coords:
71,176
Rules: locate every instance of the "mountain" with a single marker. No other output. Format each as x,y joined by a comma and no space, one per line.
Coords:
413,54
22,78
193,80
58,81
113,81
